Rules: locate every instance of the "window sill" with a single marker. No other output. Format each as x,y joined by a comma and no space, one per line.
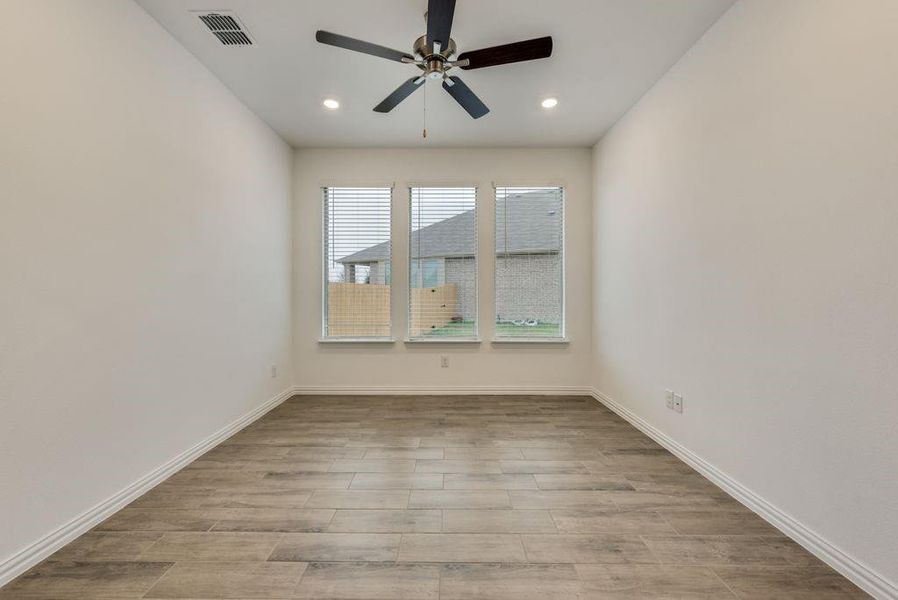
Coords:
338,340
534,340
445,340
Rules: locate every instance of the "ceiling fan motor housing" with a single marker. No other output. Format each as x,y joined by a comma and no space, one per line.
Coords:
433,63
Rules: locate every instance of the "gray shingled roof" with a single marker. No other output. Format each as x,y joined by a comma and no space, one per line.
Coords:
533,225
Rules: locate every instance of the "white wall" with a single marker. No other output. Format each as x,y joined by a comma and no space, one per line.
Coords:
746,255
144,258
418,365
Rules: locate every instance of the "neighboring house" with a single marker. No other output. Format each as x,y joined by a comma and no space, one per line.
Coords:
528,262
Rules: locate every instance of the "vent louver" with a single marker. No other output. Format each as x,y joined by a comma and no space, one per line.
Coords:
226,28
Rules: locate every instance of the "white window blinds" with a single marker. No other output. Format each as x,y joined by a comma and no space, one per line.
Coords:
357,262
443,263
529,262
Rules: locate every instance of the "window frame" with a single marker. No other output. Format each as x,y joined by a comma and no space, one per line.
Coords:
475,335
325,337
562,337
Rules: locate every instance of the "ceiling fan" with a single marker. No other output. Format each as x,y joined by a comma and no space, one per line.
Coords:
433,54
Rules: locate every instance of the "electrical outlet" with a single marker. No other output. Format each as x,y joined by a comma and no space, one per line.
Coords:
274,371
678,403
444,361
673,401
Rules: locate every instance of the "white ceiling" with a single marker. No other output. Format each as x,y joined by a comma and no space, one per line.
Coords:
607,53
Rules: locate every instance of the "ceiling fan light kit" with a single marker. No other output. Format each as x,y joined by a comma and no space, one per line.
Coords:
433,55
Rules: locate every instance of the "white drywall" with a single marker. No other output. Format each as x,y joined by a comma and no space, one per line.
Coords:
746,256
144,258
417,366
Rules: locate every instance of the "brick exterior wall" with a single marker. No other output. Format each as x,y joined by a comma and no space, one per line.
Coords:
462,272
529,287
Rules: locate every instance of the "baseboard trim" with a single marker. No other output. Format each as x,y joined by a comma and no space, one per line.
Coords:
368,390
854,570
26,558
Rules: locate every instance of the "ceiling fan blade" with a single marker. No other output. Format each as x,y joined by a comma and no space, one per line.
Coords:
399,94
508,53
342,41
439,21
464,96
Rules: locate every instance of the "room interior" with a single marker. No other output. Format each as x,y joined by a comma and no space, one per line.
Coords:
255,341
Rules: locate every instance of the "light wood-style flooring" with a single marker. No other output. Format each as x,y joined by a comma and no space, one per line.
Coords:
464,497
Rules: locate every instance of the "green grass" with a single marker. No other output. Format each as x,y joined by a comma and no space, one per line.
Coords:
541,330
460,329
506,330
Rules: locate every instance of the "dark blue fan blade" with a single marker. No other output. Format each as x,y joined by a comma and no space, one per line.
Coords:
464,96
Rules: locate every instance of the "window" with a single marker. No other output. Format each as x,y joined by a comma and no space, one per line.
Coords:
357,262
428,275
443,263
529,262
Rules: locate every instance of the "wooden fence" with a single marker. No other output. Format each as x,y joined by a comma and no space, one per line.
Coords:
358,310
431,308
363,309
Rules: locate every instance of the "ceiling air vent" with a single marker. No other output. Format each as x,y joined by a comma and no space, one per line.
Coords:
226,28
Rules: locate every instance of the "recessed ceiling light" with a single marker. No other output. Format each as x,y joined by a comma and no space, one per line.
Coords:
331,104
550,103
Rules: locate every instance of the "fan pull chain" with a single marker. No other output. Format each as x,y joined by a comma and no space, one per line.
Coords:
425,109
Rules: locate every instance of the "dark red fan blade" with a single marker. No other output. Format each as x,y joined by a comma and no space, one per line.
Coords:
509,53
